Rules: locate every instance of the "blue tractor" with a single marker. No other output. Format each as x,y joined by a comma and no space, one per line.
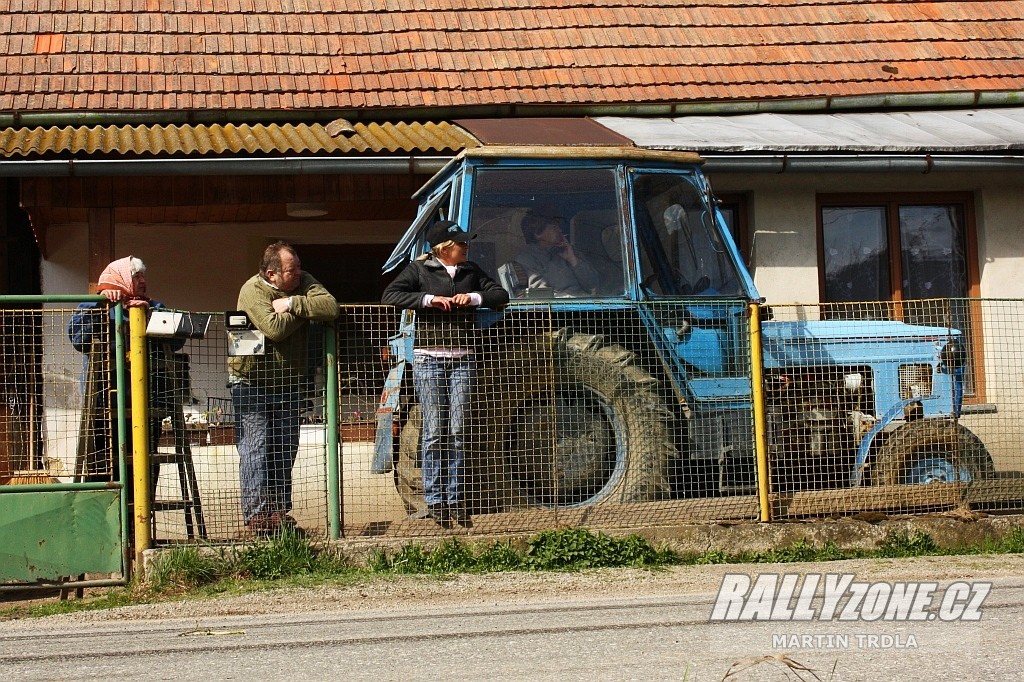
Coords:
630,381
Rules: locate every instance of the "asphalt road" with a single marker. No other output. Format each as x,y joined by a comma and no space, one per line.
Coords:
587,637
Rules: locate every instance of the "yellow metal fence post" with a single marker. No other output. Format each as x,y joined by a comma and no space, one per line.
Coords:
760,430
140,431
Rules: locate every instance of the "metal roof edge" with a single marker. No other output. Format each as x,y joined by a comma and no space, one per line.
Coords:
289,165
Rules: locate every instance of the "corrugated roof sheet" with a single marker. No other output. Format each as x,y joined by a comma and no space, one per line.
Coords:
541,131
137,55
911,131
192,140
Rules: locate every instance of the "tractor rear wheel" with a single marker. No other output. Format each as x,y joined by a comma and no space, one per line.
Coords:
570,419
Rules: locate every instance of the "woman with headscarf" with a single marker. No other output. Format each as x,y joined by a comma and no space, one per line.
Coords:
122,281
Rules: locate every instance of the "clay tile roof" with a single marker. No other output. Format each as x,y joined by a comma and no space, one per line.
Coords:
393,54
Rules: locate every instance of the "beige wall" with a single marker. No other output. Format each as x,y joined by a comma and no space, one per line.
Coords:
197,267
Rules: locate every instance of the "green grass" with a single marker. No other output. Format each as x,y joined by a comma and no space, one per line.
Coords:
295,561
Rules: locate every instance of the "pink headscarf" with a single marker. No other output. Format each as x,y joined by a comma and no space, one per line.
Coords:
118,277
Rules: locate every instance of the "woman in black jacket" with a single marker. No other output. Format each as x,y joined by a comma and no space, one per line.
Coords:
443,289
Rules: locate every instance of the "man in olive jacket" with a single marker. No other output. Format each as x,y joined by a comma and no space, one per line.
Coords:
266,390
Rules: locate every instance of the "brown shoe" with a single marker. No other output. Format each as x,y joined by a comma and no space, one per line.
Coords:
263,526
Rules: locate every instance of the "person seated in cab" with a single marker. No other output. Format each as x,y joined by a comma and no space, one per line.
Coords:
550,261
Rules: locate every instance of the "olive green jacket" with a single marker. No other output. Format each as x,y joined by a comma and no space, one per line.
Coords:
285,366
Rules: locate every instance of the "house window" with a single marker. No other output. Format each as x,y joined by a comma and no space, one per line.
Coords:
888,256
734,211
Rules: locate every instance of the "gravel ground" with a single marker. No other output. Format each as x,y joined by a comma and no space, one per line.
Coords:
496,589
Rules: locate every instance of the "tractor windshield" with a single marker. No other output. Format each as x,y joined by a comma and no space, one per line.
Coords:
682,252
548,232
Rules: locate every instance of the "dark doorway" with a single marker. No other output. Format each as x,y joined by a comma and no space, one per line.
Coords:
349,271
19,255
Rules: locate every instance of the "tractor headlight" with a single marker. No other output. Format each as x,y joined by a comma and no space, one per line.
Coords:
953,356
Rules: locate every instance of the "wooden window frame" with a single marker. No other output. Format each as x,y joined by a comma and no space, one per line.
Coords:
892,201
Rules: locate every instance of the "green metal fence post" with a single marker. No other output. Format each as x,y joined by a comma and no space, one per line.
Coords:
122,434
333,452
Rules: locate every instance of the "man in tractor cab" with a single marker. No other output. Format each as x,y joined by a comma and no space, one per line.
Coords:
550,261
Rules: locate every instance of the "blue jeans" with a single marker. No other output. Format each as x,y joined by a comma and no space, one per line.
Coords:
267,432
443,388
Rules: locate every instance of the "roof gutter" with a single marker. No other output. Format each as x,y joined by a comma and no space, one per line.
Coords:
288,165
967,99
769,162
859,163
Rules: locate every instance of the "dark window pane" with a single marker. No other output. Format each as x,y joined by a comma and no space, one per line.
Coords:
935,267
931,271
856,253
932,244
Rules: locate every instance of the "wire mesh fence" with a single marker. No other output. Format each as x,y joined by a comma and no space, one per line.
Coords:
894,407
242,449
572,413
544,415
57,389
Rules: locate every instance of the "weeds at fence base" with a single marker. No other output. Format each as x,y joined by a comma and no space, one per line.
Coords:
568,549
294,560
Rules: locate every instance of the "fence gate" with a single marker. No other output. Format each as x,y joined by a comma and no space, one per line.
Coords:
63,513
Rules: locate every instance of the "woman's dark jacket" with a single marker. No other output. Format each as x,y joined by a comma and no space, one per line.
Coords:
435,327
96,321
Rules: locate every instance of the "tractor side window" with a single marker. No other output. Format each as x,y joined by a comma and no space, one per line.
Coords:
438,207
682,252
548,232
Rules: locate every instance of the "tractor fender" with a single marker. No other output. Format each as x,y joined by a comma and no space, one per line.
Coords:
857,475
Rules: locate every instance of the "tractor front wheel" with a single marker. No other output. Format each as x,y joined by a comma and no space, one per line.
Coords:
932,451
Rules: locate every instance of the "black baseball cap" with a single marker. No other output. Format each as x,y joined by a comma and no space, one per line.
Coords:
446,230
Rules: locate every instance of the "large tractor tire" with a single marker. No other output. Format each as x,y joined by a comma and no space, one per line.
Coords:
931,451
564,420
